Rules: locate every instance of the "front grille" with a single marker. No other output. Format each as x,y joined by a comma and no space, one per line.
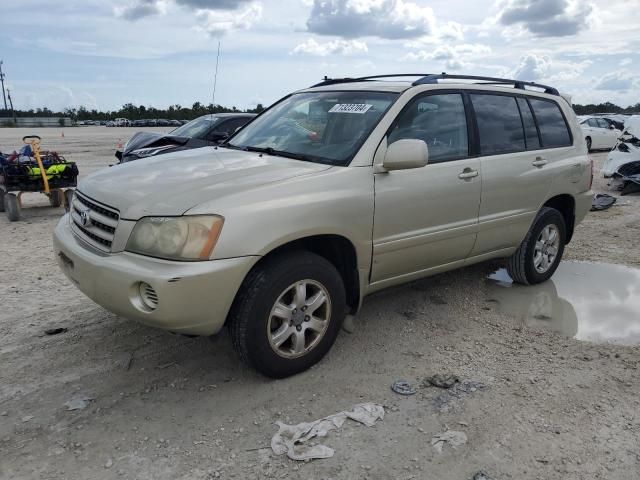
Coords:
94,223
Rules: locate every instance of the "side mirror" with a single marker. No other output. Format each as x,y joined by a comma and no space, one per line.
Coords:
406,154
612,127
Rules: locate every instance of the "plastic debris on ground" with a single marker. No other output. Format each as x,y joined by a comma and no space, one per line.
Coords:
481,476
441,380
55,331
450,437
602,201
447,400
292,440
403,387
78,403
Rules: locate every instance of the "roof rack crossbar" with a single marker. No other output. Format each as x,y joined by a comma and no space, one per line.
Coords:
332,81
520,84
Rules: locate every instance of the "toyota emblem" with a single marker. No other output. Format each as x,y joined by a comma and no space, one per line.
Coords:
84,218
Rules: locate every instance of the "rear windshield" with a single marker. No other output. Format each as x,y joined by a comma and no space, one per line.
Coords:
197,128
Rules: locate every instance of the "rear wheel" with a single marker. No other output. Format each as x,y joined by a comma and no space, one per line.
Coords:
541,250
288,313
55,198
588,140
12,207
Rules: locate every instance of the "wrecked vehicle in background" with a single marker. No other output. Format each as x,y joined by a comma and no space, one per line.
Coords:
202,132
599,133
623,162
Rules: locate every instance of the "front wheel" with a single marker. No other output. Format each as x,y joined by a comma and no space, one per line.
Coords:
541,250
288,313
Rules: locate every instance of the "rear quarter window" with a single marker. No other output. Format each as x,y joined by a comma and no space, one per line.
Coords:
554,131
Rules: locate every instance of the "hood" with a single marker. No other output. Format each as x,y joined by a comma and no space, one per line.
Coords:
152,139
173,183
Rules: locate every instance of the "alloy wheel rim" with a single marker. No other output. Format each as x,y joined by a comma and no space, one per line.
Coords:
546,249
299,318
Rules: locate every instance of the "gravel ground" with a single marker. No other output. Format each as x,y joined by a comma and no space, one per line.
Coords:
169,407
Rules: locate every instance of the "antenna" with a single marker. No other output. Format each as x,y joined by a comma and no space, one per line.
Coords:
2,81
215,77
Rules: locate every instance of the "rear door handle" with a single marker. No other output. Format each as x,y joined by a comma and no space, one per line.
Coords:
467,173
539,162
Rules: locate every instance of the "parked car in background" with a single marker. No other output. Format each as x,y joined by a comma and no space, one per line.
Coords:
110,123
122,122
175,123
599,134
203,131
333,193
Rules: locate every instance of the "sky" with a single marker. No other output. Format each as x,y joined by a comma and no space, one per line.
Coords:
102,54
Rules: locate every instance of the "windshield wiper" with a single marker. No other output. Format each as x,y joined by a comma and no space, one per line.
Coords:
279,153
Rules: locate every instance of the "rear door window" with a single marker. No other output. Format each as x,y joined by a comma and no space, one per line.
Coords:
554,131
499,124
529,124
602,123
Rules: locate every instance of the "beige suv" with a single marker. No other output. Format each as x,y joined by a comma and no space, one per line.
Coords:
334,192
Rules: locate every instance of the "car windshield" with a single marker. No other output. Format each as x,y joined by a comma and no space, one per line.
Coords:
197,128
324,127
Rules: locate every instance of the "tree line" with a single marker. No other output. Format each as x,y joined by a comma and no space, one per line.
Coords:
178,112
132,112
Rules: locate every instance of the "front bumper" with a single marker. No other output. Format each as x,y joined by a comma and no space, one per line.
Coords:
192,297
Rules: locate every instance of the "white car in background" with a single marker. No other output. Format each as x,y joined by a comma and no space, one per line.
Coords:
598,133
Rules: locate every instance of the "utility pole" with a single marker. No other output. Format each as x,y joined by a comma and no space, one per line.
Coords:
13,112
2,81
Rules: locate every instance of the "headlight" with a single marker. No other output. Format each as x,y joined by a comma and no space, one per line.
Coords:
191,237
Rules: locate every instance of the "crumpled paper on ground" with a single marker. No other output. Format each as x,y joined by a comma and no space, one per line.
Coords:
452,437
290,439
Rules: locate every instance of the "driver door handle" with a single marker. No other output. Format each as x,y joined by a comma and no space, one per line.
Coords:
467,173
539,162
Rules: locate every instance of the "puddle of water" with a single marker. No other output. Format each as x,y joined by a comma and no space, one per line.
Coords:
588,301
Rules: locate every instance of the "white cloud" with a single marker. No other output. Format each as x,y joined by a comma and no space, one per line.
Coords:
334,47
532,67
391,19
453,57
617,81
547,18
217,23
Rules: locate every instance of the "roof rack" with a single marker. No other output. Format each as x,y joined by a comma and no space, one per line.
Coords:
487,80
332,81
430,78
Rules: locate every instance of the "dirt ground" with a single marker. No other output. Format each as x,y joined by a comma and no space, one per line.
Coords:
170,407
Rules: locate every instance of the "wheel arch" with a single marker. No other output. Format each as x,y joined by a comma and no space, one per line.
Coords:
566,205
336,249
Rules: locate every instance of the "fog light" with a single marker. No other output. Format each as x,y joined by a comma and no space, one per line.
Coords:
148,296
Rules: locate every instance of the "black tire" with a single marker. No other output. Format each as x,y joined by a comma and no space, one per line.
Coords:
55,198
250,314
2,194
588,140
12,207
68,198
520,265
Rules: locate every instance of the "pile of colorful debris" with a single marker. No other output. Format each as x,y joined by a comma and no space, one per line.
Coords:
20,171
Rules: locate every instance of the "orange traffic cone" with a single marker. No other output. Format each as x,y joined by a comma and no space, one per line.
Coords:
119,145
